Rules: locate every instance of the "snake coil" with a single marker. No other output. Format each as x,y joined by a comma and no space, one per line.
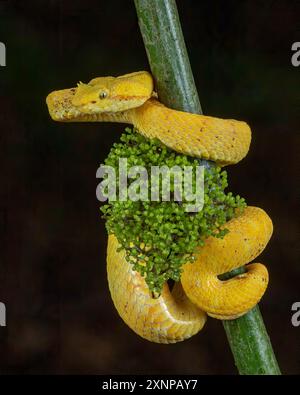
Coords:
177,315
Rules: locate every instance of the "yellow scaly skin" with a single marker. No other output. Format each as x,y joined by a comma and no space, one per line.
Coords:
129,100
248,235
168,319
179,314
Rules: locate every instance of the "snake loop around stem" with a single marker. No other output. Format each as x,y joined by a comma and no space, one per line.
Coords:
179,314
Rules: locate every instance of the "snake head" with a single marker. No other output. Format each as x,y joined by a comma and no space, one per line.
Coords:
100,95
113,94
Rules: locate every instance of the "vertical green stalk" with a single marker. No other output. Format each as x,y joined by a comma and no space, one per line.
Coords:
250,344
167,54
170,66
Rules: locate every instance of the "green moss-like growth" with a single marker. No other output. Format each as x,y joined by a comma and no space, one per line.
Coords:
159,237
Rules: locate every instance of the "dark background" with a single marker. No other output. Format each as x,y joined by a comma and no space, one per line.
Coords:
60,318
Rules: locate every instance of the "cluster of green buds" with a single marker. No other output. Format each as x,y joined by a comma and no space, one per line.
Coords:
159,237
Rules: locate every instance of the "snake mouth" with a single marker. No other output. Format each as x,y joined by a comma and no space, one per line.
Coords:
60,106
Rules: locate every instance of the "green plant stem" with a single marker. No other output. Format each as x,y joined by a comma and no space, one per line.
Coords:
251,345
167,54
164,42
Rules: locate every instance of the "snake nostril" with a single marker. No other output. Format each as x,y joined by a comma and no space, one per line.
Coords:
93,102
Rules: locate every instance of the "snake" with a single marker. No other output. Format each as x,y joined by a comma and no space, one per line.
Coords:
180,312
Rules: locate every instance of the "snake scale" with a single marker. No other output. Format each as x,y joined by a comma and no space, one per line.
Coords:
178,314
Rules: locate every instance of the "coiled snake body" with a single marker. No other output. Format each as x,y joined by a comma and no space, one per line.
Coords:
176,315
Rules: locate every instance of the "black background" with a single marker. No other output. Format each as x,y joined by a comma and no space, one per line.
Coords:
60,318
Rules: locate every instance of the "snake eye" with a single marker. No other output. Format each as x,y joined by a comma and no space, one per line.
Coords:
102,95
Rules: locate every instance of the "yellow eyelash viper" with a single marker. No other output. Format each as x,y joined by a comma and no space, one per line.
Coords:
177,315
